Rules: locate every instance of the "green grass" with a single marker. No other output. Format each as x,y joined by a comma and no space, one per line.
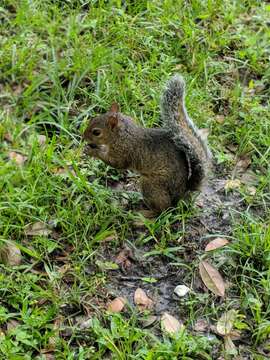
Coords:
63,62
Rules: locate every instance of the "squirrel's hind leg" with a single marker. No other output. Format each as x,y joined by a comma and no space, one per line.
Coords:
155,195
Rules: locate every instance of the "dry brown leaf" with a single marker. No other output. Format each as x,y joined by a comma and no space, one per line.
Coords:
241,165
110,238
212,278
17,89
42,139
65,268
37,229
52,342
232,184
58,322
229,345
232,148
142,300
48,356
139,224
251,190
216,243
8,137
148,214
123,257
10,255
220,119
170,324
12,324
235,334
18,158
225,323
201,325
117,305
63,171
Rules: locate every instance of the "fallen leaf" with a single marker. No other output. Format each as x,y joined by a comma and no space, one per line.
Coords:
123,257
38,228
48,356
181,290
251,190
229,346
10,255
179,67
58,322
138,224
12,324
201,325
212,278
170,324
199,202
18,158
213,329
148,214
242,165
63,172
42,139
226,321
220,119
232,148
110,238
216,243
8,137
17,89
232,184
63,269
235,334
142,300
52,342
117,305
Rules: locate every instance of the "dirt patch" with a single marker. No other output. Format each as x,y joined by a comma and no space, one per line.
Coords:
214,218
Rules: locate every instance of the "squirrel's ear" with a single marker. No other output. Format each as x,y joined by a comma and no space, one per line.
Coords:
113,121
114,108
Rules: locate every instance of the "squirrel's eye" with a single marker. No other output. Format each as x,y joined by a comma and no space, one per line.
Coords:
96,132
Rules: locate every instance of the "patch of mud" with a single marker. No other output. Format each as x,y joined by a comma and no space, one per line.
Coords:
214,219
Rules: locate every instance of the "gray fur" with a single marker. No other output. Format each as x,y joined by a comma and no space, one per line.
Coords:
184,132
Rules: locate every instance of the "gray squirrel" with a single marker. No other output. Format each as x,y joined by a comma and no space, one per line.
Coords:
171,160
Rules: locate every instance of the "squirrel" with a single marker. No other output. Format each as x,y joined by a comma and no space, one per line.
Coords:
171,160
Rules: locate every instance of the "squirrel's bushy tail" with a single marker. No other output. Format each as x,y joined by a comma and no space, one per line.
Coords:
184,132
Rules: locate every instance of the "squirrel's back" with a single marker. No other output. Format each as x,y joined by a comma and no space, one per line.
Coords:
185,134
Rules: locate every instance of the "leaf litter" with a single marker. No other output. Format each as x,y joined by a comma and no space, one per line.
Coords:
18,158
170,324
216,244
142,300
10,254
212,278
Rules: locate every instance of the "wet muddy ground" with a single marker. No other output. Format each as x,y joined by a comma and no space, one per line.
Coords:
214,218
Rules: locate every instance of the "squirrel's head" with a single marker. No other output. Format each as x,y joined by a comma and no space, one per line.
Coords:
101,131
